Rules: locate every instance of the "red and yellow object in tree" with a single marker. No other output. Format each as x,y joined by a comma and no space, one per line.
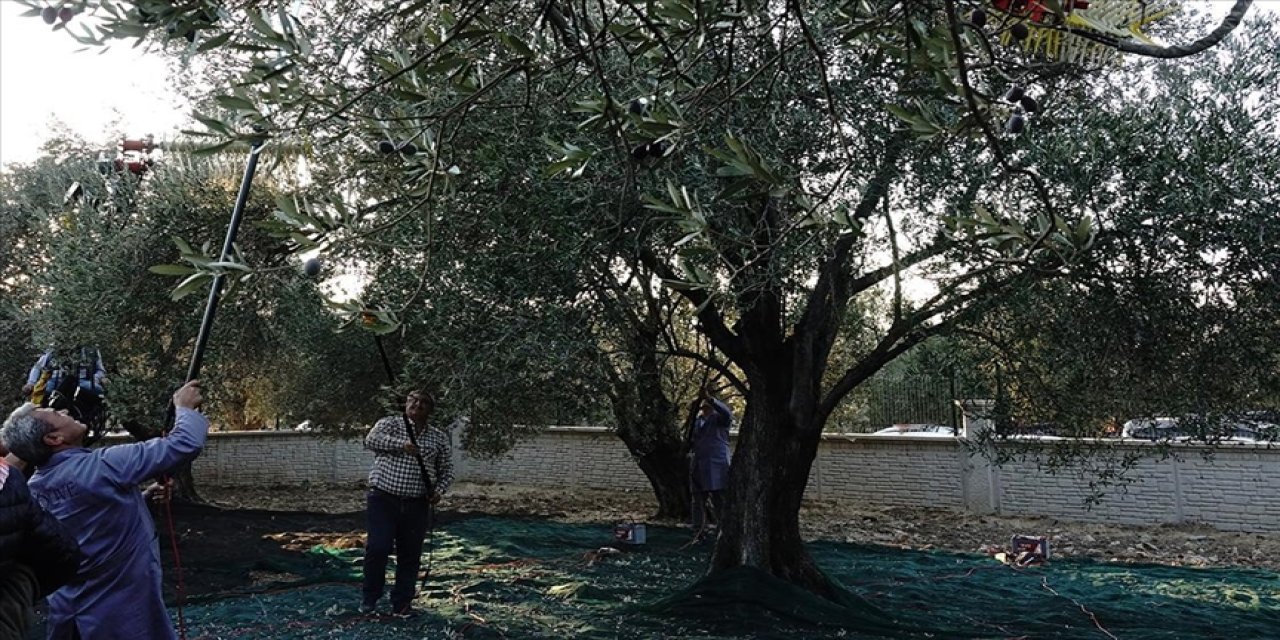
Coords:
1055,36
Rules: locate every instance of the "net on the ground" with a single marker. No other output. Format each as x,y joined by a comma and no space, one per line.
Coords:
513,578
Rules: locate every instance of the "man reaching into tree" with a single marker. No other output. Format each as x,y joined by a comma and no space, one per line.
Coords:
94,492
708,441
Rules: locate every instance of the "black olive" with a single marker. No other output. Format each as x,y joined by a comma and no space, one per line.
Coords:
1015,124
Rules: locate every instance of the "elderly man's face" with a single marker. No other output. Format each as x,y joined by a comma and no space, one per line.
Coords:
418,407
63,429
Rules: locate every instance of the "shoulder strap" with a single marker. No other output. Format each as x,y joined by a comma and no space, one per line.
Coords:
417,455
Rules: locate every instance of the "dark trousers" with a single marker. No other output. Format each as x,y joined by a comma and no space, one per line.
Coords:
699,499
400,524
18,594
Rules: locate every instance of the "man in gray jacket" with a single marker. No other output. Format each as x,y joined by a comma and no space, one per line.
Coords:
708,442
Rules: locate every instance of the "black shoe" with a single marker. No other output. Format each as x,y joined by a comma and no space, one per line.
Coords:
368,608
404,611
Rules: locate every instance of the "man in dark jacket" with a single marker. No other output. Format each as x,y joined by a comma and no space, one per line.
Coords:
708,441
37,554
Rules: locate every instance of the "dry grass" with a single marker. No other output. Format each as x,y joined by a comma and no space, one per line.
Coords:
1183,545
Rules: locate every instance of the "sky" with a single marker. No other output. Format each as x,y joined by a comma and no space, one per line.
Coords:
46,85
44,80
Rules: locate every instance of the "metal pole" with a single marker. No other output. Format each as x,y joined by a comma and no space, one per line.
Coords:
386,362
215,290
955,416
202,339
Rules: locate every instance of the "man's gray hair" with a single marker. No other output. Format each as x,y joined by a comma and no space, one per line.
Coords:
23,434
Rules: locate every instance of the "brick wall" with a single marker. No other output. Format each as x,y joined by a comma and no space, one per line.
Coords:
1230,488
266,458
569,456
914,472
1227,487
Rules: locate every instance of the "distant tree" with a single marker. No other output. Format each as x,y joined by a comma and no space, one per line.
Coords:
81,273
1174,311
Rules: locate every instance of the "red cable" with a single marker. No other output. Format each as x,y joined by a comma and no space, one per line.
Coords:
177,559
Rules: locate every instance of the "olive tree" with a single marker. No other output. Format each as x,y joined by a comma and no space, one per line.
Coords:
770,162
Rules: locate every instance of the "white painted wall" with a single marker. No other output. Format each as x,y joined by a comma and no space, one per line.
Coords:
1232,488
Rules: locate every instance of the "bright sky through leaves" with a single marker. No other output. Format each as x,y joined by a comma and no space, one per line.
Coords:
48,85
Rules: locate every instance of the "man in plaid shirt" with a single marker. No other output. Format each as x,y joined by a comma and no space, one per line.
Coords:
400,500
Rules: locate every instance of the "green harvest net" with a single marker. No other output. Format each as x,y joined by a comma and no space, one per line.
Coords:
519,578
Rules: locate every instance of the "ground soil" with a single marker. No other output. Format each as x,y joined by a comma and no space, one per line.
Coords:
259,523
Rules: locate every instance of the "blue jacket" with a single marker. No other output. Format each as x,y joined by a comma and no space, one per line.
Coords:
709,444
116,593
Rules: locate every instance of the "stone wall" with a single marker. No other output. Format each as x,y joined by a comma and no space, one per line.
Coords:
1230,488
1227,487
569,456
280,458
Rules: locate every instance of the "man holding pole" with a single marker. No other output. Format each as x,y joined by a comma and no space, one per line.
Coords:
94,492
708,444
412,468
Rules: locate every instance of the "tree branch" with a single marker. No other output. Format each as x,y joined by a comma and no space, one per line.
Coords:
832,291
1229,24
709,319
872,278
712,363
902,336
457,30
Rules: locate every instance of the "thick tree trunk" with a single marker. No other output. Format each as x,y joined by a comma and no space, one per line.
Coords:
667,470
184,485
649,426
761,519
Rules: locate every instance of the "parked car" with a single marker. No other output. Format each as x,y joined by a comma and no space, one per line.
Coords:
1259,426
1030,436
1032,431
1257,432
917,431
1250,427
1151,429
